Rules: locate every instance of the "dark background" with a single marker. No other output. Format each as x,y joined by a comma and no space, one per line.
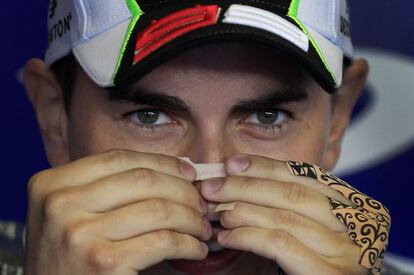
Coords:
384,25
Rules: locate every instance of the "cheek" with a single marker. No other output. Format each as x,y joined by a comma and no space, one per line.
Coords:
307,146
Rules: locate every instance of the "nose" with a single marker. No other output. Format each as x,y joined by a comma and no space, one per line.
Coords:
210,145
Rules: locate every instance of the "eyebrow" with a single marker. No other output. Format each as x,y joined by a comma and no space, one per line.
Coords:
145,96
270,100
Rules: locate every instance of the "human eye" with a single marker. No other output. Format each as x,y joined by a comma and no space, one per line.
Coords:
149,118
270,120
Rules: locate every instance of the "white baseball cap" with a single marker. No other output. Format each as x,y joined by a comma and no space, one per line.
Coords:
118,41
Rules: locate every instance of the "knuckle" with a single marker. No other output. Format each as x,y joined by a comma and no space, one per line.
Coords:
248,186
168,240
284,217
75,235
159,210
295,194
115,158
160,162
281,239
277,166
102,259
143,175
272,165
55,204
37,182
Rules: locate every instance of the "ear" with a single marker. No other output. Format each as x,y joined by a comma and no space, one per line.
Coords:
343,102
46,97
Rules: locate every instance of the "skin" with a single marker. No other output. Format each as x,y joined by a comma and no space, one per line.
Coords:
109,168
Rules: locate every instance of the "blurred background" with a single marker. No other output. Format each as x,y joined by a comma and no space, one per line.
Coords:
378,152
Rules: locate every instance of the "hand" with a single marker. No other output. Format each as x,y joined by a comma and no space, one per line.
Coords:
308,225
119,212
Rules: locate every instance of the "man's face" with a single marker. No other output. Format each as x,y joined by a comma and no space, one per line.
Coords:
208,104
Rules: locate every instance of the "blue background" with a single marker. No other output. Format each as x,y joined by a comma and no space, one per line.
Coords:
386,25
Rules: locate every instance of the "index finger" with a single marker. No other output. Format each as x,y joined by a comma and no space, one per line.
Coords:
95,167
266,168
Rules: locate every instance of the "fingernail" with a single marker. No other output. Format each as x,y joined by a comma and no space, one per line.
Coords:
211,186
238,164
222,235
186,170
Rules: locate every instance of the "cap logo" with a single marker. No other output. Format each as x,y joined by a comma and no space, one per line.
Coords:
166,29
60,28
268,21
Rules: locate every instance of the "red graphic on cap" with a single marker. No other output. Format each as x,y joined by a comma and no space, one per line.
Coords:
172,26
